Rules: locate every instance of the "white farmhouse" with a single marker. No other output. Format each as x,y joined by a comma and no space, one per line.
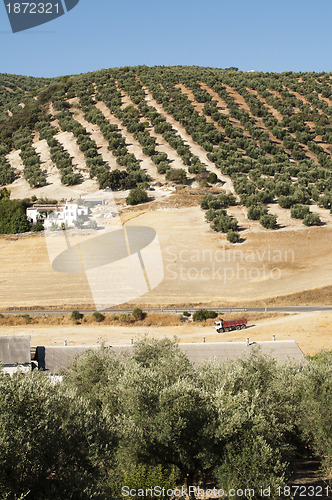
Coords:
66,213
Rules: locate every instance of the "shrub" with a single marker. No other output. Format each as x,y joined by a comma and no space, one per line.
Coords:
38,227
136,196
78,222
196,168
312,220
286,201
251,460
177,175
92,224
212,178
222,200
42,425
143,477
163,167
205,201
138,314
12,217
299,211
268,221
54,226
255,212
203,315
125,318
76,316
233,236
223,222
97,316
315,408
70,178
325,201
27,318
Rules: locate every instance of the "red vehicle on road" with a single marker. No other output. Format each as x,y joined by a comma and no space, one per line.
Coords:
222,325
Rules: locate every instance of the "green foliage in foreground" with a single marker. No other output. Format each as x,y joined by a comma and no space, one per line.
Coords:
151,419
52,445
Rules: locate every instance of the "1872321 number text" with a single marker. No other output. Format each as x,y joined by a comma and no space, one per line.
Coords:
33,8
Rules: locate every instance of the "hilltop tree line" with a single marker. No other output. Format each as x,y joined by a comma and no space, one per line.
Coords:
151,419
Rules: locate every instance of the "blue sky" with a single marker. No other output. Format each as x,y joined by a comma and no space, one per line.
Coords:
266,35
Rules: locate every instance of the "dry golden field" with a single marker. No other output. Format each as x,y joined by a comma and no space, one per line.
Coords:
291,266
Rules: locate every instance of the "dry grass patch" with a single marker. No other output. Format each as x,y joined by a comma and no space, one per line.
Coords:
123,319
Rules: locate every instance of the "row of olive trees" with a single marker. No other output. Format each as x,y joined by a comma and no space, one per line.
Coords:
97,166
116,141
59,155
134,176
224,151
32,170
158,121
115,179
227,155
131,119
290,124
16,90
7,173
216,214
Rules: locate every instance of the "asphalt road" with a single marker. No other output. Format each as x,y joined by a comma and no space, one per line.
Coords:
286,309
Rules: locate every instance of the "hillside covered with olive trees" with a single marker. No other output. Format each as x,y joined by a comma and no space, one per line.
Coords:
261,140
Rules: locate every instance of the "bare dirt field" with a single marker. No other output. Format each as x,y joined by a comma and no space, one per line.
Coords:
291,266
312,332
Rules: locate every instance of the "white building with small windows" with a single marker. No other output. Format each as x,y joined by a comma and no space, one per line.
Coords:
66,214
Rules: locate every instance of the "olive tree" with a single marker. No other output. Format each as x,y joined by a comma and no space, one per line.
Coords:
51,444
136,196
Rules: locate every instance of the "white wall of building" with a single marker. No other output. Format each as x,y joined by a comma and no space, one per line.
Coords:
63,214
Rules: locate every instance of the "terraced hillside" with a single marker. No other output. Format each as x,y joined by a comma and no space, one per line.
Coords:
259,144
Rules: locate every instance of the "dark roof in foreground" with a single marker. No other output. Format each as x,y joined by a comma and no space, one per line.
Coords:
55,359
15,350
